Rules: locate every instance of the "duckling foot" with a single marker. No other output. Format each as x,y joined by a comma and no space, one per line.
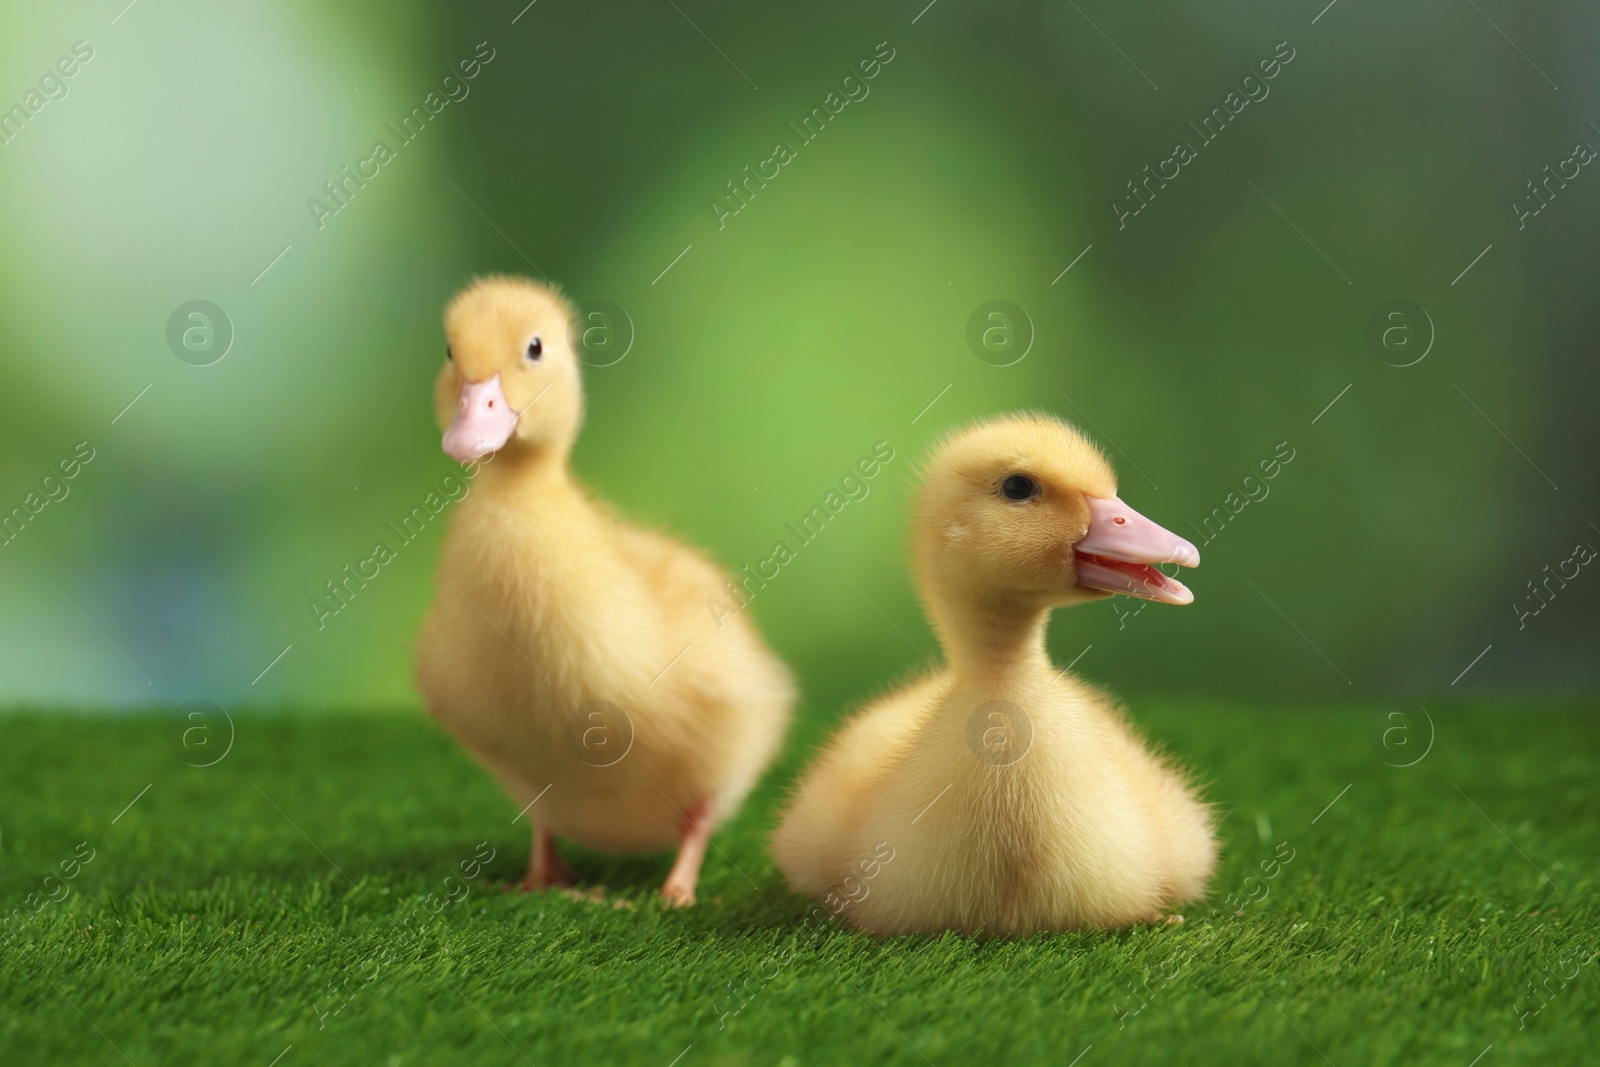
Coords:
677,896
546,869
678,890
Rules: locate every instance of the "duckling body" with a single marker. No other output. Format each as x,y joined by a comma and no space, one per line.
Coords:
1014,797
572,653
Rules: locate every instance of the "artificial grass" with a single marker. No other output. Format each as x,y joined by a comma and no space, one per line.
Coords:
226,914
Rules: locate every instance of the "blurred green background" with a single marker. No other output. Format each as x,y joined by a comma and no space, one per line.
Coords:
824,317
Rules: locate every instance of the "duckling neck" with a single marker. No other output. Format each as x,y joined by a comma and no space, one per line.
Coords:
991,640
513,470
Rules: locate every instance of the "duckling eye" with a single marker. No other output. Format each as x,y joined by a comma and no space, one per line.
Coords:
1019,487
535,349
449,356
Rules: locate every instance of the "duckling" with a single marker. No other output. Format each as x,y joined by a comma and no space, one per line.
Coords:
573,654
1001,795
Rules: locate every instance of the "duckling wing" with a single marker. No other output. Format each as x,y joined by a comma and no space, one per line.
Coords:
716,698
818,840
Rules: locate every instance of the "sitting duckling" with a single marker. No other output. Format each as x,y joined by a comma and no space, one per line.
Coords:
1000,795
573,654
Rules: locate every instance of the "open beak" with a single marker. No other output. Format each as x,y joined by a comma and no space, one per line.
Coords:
1121,549
483,423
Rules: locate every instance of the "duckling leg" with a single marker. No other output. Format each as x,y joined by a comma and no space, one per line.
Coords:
545,866
678,890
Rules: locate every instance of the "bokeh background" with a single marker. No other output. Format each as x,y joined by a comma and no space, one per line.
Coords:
766,352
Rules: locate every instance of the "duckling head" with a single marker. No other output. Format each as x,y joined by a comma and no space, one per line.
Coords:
510,377
1025,510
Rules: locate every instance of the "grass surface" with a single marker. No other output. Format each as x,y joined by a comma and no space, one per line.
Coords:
278,900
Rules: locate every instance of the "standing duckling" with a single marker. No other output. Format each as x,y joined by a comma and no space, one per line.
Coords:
1007,796
573,654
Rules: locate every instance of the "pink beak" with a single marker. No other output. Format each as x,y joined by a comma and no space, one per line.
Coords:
1120,551
484,421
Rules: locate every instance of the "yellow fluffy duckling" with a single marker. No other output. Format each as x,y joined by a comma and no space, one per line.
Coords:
1001,795
573,654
